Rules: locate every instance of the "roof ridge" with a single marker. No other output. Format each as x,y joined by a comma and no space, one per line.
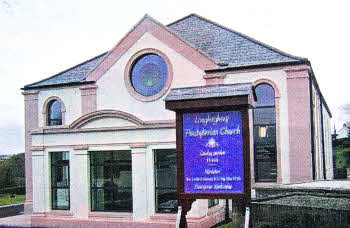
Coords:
243,36
183,39
64,71
183,18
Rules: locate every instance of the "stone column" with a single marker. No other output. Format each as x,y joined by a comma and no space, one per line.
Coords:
139,182
39,182
30,123
80,182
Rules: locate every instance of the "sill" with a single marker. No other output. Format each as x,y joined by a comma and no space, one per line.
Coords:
118,215
266,185
59,213
42,129
55,126
164,216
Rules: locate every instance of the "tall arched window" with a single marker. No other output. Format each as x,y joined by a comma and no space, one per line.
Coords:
54,113
265,152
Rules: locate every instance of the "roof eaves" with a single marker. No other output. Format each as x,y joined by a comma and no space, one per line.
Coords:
58,85
254,66
319,91
209,91
28,86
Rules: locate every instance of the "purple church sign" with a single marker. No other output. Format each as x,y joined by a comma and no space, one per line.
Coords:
212,152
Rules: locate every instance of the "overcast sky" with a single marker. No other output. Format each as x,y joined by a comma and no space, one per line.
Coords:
41,38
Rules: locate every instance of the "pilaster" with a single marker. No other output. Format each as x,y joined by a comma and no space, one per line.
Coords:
38,178
80,182
139,181
30,122
88,99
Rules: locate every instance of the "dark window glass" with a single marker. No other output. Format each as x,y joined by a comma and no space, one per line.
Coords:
111,186
149,74
264,116
265,95
60,180
166,181
54,113
213,202
265,152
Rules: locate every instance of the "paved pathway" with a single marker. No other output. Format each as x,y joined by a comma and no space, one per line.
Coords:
17,221
329,185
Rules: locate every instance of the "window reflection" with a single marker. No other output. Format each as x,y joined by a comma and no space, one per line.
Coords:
265,135
111,181
60,180
166,181
54,116
265,95
263,131
264,116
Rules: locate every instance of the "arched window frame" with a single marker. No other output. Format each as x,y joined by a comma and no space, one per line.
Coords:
277,123
46,111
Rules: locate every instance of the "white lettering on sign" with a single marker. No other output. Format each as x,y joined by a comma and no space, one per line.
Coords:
212,171
203,187
212,153
211,132
226,131
221,186
214,120
200,133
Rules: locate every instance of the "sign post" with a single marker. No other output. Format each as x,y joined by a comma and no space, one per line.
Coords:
212,143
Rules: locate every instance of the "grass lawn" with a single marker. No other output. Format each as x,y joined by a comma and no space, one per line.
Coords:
228,225
7,200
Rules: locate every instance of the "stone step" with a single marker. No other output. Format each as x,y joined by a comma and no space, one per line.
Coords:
301,211
267,193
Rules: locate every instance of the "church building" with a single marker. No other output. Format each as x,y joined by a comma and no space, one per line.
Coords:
100,146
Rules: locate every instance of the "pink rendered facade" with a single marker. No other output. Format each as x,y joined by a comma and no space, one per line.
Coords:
299,110
92,120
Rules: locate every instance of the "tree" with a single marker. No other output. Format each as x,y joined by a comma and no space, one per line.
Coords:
5,176
12,171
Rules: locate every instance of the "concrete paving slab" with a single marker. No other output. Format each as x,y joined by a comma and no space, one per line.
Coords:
328,185
16,221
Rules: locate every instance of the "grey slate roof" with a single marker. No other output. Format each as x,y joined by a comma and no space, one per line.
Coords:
227,47
74,74
201,92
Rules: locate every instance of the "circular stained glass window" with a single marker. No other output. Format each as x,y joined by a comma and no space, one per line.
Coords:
149,74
